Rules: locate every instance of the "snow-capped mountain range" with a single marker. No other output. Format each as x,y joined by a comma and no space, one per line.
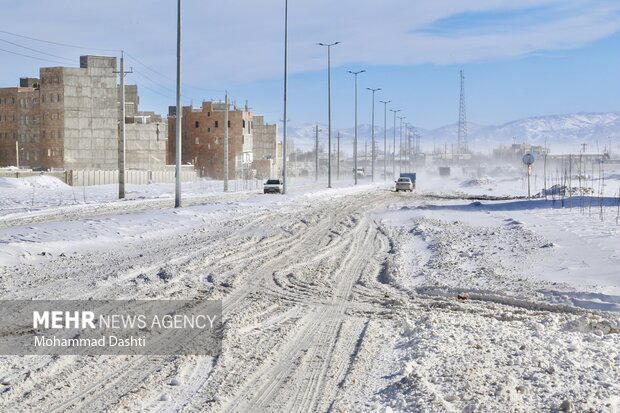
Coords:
562,134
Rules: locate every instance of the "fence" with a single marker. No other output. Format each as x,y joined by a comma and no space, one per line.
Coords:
92,177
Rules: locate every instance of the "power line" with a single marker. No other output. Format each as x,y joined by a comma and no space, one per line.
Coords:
168,96
187,85
148,67
57,43
154,81
31,57
35,50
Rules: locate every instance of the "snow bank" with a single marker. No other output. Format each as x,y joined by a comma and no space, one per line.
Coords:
43,181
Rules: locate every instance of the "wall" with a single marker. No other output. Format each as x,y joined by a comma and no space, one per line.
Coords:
101,177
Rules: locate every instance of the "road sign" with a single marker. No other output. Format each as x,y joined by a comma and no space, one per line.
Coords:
528,159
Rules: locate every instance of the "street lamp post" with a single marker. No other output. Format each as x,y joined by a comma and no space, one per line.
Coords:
285,119
394,144
385,102
373,132
355,140
329,112
400,144
179,116
407,145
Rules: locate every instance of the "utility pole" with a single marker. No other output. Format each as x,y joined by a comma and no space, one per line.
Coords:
226,143
338,159
373,131
177,193
385,138
394,145
462,136
17,153
121,135
316,152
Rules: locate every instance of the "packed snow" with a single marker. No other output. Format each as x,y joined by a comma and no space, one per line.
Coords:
464,296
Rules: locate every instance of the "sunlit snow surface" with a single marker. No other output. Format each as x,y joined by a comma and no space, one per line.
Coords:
469,297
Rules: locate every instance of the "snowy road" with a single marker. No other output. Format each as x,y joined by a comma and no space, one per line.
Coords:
332,304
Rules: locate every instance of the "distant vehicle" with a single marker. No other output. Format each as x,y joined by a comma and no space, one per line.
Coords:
404,184
360,172
410,175
273,186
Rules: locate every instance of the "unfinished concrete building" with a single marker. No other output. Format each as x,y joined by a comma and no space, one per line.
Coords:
146,134
68,119
202,139
265,146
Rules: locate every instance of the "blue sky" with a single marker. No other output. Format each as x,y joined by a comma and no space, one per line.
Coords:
521,58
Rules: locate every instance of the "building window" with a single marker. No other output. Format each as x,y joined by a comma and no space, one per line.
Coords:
49,152
197,124
209,114
243,123
216,124
197,141
229,124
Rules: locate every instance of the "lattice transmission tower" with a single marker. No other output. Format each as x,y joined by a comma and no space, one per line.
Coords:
462,139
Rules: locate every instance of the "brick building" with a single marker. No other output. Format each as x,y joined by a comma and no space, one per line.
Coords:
202,139
20,121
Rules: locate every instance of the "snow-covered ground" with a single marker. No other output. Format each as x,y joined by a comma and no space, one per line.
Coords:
342,300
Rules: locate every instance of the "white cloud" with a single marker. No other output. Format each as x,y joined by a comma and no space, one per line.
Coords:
241,41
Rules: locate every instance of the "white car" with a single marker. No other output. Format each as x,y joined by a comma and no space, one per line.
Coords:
273,186
404,184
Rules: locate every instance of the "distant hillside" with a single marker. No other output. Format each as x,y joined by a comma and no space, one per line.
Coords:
563,133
